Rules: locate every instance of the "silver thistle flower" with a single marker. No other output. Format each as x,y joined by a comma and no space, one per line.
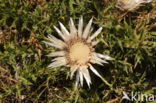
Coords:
76,50
131,5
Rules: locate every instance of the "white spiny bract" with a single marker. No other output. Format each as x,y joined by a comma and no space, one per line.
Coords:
76,50
131,5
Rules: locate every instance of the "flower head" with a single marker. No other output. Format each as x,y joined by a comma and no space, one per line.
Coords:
131,5
76,50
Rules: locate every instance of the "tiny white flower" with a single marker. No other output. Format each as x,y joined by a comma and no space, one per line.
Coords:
76,50
131,5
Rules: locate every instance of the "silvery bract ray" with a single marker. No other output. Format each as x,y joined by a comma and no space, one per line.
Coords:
76,50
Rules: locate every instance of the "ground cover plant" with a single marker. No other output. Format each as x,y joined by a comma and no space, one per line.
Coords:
129,37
